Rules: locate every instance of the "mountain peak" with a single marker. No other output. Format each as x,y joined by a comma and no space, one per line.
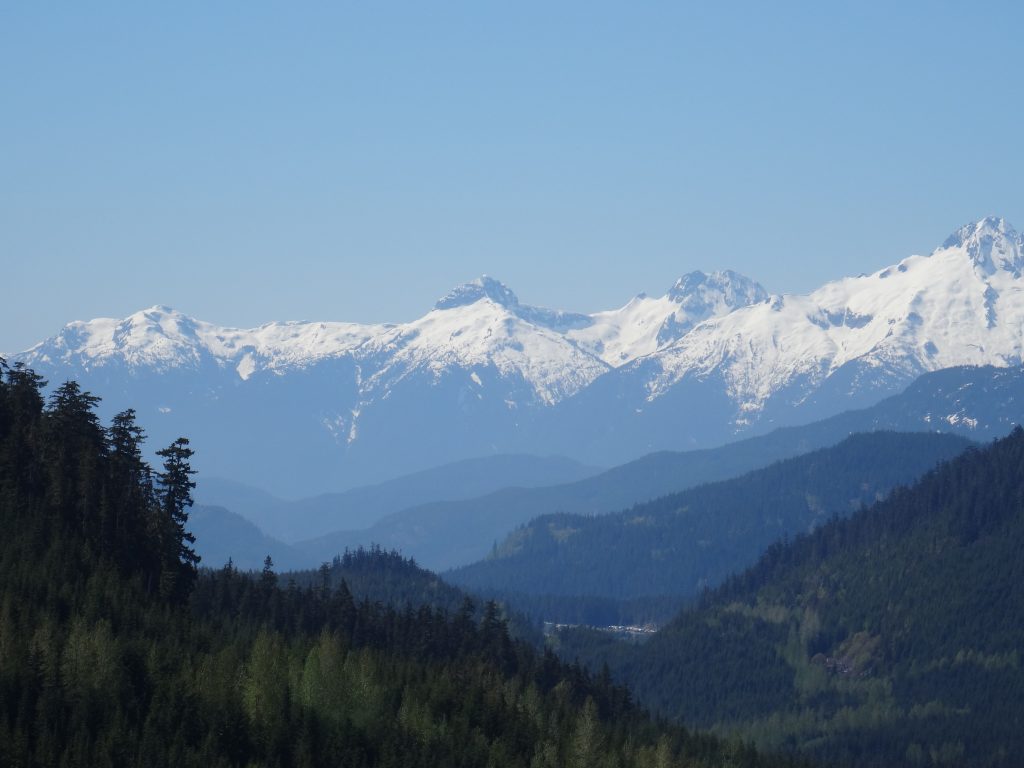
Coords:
162,319
990,226
734,289
155,313
701,296
992,243
484,287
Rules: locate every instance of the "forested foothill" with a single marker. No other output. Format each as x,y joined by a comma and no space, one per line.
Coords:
680,544
892,637
117,648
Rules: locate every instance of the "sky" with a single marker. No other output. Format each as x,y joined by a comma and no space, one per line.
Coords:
249,162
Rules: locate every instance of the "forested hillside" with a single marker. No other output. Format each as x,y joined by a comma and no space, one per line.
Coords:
115,649
890,638
684,542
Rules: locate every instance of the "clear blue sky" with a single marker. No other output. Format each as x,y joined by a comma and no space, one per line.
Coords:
245,162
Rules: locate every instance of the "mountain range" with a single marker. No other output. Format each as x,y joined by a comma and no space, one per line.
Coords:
443,525
304,407
365,505
684,542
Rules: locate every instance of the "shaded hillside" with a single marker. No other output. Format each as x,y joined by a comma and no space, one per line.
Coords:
223,535
979,403
383,577
684,542
889,638
363,506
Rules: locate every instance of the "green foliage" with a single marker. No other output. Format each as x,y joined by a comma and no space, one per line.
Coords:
889,638
116,651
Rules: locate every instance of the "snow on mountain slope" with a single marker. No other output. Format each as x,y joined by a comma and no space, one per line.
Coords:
477,325
962,305
306,406
161,338
485,332
646,324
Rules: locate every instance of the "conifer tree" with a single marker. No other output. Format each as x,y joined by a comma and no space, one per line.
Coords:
76,449
175,484
268,578
130,487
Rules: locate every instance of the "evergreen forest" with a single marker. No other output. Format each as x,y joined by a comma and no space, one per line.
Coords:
892,637
118,649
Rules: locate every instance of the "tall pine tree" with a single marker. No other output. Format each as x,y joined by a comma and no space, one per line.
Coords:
174,492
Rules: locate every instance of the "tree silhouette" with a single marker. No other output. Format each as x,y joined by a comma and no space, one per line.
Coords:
174,491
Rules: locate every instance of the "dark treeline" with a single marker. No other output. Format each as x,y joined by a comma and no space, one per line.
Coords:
388,577
66,477
890,638
382,576
116,650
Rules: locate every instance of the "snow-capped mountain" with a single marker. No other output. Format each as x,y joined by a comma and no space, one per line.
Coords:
301,406
161,339
481,327
962,305
646,324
